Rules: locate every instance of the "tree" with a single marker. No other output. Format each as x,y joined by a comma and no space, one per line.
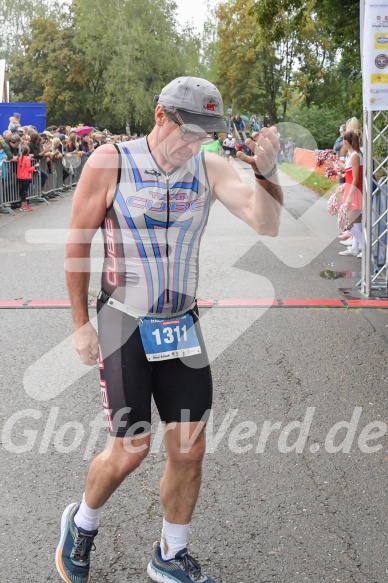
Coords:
321,122
249,74
326,34
210,47
15,20
139,51
103,62
53,70
340,19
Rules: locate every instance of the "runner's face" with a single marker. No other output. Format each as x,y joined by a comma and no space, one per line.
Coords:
174,148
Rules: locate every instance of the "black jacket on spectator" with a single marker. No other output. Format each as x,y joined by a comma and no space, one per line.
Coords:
35,150
7,150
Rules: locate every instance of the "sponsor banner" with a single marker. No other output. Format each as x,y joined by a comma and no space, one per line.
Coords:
375,56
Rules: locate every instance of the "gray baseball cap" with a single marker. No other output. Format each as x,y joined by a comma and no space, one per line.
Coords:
197,101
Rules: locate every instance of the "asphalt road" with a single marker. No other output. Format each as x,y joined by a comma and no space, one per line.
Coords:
280,503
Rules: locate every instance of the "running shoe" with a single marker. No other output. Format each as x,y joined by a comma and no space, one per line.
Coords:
349,252
348,241
29,208
182,569
23,209
73,552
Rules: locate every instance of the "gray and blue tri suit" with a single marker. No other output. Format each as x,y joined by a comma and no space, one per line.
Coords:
152,231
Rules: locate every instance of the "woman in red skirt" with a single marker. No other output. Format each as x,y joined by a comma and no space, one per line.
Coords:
352,190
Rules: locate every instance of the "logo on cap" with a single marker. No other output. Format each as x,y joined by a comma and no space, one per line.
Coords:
211,105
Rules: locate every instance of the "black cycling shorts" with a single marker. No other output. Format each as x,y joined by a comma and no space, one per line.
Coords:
182,388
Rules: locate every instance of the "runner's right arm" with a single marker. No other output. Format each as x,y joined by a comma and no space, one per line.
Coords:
93,194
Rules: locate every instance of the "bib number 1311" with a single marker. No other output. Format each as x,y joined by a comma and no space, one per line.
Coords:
171,338
170,335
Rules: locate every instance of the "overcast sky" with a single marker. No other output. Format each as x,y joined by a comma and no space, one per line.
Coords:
194,11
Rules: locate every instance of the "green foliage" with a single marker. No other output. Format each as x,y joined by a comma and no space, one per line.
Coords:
248,72
322,122
139,52
53,70
102,62
270,50
338,20
341,19
311,53
15,20
210,48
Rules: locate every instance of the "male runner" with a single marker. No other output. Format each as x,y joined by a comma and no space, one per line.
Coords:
229,146
151,197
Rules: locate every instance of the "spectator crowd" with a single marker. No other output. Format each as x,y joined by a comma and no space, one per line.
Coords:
25,152
58,143
54,145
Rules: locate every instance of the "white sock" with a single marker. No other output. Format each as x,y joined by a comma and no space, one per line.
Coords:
87,518
356,231
174,539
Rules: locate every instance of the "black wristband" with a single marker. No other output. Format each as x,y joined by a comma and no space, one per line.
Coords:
266,176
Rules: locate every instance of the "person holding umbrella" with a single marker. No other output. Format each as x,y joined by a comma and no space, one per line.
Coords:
87,145
83,131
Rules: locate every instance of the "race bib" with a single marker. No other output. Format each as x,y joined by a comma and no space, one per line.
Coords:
171,338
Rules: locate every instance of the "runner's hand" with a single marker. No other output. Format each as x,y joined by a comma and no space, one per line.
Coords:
265,145
85,341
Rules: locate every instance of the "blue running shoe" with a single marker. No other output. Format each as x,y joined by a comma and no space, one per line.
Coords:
73,552
182,569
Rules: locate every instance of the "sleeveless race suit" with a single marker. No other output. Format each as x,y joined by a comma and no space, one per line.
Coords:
152,232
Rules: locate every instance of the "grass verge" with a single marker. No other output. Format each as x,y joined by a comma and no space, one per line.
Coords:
312,180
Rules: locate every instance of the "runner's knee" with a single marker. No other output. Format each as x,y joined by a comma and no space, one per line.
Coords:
127,455
133,460
188,452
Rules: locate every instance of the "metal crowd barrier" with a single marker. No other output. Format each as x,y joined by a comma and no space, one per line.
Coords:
59,179
380,226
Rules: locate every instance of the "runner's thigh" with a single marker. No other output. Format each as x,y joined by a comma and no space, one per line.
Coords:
126,375
184,385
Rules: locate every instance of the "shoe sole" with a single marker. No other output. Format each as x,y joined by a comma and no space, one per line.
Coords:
156,576
58,553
